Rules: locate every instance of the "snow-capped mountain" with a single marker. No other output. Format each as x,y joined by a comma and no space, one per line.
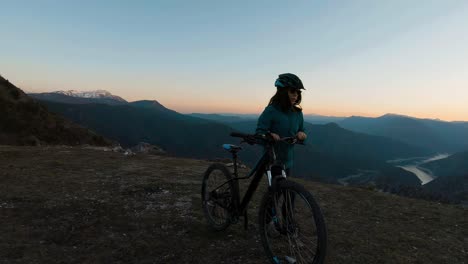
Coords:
98,94
80,97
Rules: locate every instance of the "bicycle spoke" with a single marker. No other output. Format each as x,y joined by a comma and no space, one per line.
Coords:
309,241
306,248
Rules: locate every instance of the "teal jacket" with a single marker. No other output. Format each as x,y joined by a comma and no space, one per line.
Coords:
285,124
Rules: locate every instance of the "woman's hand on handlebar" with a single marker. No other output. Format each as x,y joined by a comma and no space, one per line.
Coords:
275,137
301,136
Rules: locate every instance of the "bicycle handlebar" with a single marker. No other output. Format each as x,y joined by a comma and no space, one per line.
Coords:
253,139
238,134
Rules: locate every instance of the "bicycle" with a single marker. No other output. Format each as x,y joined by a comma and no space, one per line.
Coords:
291,224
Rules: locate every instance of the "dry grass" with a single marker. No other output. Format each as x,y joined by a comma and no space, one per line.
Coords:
76,205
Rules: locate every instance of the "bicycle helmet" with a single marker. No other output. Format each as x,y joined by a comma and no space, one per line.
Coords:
289,80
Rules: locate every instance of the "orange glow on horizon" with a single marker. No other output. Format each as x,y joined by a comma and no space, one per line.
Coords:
253,107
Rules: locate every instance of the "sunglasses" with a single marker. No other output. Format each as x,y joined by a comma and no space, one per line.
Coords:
295,91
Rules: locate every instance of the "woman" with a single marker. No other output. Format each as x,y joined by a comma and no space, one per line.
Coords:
283,117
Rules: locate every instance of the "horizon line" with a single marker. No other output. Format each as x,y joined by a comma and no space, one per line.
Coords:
258,113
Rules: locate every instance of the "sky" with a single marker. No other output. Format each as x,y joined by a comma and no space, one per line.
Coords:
361,57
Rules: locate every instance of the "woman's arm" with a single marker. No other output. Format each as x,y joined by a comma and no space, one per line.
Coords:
301,135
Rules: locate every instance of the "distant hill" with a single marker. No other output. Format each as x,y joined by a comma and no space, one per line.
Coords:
319,119
24,121
230,118
154,105
218,117
431,134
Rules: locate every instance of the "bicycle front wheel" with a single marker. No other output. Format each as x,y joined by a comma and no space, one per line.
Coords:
291,224
217,196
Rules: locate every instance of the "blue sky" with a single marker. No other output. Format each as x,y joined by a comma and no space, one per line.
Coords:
354,57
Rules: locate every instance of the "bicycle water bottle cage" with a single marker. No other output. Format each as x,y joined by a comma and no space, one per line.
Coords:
231,148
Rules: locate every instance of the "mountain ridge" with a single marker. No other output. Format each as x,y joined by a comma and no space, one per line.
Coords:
439,136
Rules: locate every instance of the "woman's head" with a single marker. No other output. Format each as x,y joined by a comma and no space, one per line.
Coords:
288,92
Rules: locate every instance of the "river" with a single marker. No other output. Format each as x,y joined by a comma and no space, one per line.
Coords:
413,165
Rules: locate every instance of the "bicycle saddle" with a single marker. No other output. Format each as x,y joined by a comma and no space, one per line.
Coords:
231,148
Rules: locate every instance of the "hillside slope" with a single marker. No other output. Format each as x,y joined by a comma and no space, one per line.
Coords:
76,205
24,121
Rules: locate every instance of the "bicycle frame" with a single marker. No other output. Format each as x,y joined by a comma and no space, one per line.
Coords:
263,165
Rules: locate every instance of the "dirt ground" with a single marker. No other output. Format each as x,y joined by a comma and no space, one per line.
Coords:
81,205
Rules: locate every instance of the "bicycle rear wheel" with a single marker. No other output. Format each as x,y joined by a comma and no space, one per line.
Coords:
217,198
292,228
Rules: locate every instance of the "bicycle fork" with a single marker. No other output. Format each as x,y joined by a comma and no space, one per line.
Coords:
275,173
